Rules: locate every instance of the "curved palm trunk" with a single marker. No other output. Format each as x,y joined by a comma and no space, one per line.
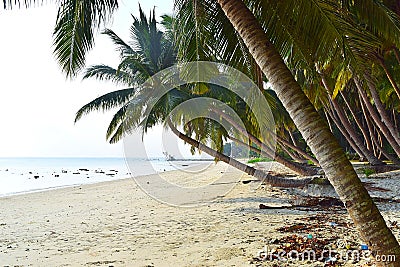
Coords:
267,153
292,137
353,135
373,137
265,147
349,128
396,118
325,147
266,178
300,169
381,109
294,156
344,133
297,149
358,122
377,119
328,120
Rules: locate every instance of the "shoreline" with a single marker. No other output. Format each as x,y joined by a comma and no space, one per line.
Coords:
33,191
16,179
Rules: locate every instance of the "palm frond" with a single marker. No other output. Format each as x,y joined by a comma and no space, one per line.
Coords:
318,30
106,102
121,46
9,4
146,38
129,116
137,67
119,133
116,121
377,17
73,34
107,73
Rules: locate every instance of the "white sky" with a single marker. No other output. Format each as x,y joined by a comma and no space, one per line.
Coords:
38,105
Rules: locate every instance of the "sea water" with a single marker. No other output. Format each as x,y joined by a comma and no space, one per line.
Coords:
24,175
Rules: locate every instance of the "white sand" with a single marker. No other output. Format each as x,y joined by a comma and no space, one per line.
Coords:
117,224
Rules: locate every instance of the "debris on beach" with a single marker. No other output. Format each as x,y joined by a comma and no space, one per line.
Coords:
262,206
319,203
372,187
308,203
316,223
249,181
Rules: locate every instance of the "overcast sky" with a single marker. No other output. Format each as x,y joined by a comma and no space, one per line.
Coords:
38,105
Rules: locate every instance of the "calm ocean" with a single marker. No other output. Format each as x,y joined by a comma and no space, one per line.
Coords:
24,175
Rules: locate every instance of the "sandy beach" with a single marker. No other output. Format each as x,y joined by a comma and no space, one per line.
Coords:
117,224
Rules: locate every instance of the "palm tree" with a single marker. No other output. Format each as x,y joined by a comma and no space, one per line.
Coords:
148,53
337,167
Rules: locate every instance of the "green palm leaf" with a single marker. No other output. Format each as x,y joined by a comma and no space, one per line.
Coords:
105,102
73,33
378,17
121,46
107,73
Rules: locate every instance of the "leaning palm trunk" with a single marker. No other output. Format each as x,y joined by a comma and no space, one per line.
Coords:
381,109
290,153
294,166
376,118
297,149
262,176
342,130
358,122
373,137
337,167
353,135
348,127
